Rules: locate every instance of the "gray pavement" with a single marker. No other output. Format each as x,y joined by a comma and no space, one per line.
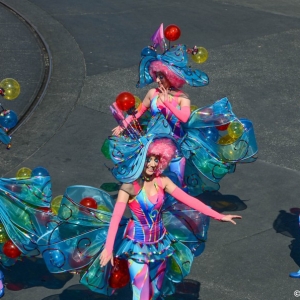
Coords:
253,60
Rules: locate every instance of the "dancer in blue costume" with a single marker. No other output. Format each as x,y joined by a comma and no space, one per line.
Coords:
212,139
161,239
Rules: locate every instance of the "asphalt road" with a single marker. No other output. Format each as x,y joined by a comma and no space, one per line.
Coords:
95,46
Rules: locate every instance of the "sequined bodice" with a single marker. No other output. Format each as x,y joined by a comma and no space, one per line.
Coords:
146,224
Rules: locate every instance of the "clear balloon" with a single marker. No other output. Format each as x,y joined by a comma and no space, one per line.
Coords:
235,129
211,134
39,171
201,56
9,119
105,149
172,32
55,204
11,88
23,173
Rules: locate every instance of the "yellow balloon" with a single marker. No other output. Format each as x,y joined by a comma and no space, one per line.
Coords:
55,204
201,56
23,173
103,207
226,140
193,107
235,129
137,102
3,235
11,88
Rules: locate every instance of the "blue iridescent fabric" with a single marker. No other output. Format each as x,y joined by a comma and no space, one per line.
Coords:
176,59
23,206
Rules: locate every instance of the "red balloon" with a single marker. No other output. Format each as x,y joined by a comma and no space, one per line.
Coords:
125,101
222,127
172,32
11,250
89,202
119,275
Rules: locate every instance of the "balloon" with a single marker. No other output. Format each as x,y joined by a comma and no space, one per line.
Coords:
206,113
125,101
119,275
57,258
175,268
3,234
137,102
9,119
78,260
11,88
103,207
226,140
11,250
105,149
55,204
222,127
172,32
235,129
40,171
201,56
193,107
89,202
24,173
148,52
211,134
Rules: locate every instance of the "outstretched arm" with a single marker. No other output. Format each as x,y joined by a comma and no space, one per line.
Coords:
107,253
141,110
196,204
181,114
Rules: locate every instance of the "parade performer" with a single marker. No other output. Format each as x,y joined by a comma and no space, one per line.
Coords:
212,139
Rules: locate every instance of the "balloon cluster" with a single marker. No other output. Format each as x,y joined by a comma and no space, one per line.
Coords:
9,90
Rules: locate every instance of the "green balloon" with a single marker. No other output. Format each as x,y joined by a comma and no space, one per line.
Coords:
105,149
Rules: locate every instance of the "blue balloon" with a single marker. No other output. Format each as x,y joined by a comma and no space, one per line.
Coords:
148,52
9,120
211,134
39,171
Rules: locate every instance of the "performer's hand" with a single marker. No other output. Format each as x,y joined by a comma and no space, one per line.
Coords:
229,218
117,131
164,96
105,258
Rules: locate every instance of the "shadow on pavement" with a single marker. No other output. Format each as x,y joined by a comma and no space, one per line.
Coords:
287,223
222,203
37,274
187,290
